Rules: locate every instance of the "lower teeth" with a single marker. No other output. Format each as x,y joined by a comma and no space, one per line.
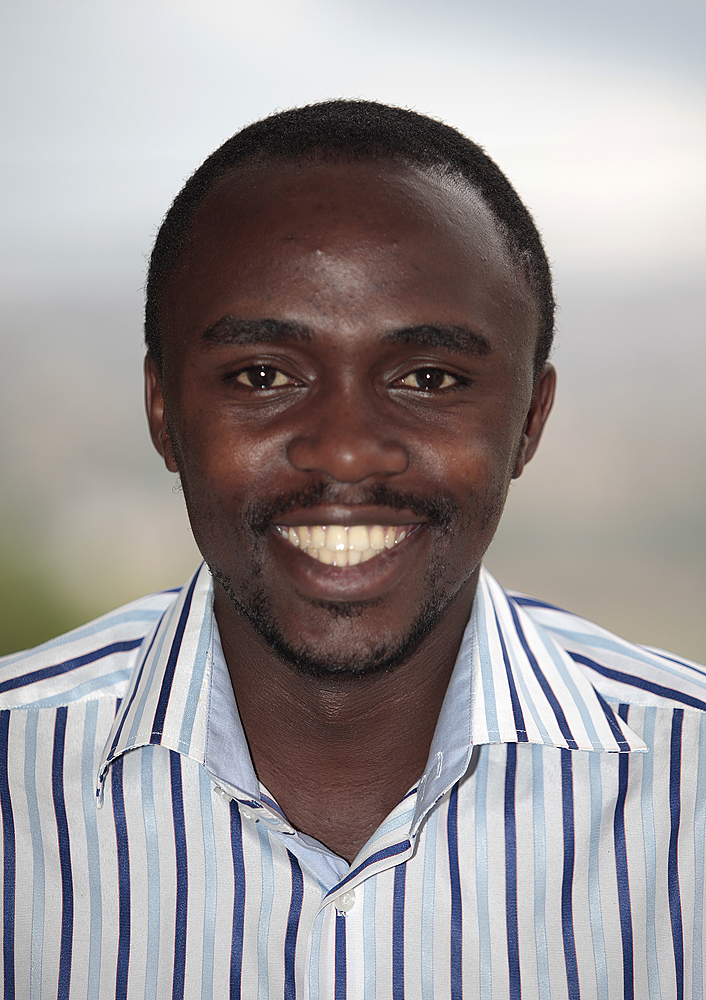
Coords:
349,558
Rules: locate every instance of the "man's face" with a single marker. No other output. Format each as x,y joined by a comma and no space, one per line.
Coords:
347,393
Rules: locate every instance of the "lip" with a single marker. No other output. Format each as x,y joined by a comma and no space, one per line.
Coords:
366,581
347,516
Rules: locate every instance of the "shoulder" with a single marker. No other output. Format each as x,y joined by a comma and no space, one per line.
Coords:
621,670
92,660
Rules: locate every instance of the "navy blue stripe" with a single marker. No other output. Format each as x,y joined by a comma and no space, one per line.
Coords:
532,602
8,846
160,714
544,684
123,850
340,967
268,801
398,932
516,707
456,913
634,680
23,680
513,942
182,876
615,729
62,830
387,852
567,883
290,940
133,695
673,868
621,869
236,947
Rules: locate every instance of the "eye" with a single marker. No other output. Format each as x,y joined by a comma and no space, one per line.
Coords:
430,380
262,377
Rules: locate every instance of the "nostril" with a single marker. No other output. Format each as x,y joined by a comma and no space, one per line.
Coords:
347,460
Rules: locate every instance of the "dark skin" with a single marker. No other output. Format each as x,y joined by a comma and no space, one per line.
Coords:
344,344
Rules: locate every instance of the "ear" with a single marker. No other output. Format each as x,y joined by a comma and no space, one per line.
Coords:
540,406
154,404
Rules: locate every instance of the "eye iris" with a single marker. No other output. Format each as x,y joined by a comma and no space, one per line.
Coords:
261,377
430,378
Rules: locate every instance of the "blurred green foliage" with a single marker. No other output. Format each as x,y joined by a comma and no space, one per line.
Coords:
31,609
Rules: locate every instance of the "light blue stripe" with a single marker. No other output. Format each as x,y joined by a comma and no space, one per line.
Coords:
632,653
650,847
263,924
486,665
95,893
529,701
85,631
540,871
82,690
153,873
315,955
146,683
210,903
30,765
576,695
196,682
699,874
369,888
485,985
429,831
403,819
595,912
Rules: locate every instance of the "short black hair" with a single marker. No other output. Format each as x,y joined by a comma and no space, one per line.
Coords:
357,130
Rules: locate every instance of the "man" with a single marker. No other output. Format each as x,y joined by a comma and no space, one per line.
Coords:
342,761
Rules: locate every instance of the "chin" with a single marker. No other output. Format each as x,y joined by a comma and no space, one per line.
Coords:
353,655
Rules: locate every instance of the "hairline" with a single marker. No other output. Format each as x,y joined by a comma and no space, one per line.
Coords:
434,170
358,130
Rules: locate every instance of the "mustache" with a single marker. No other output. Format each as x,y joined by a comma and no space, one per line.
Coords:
440,510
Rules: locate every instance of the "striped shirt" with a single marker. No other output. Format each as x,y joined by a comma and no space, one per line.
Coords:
553,846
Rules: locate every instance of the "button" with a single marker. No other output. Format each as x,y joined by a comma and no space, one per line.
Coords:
345,902
223,793
248,813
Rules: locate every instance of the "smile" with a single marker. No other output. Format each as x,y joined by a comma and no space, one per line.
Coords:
345,545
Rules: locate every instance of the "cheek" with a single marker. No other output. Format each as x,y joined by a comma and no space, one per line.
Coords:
221,454
472,464
477,472
215,475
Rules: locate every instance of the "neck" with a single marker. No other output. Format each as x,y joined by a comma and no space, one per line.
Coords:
354,745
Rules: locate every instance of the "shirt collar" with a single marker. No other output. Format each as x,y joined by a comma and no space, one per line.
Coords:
168,698
512,683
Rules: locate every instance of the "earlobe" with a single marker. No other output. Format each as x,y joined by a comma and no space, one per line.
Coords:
154,404
540,407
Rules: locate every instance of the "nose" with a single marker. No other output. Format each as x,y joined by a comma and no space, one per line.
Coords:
349,441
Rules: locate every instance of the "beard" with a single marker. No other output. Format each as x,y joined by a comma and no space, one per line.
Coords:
359,659
353,662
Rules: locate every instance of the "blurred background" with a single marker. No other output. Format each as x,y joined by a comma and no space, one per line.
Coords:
596,112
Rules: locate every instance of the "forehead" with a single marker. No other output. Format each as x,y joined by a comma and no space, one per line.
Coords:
362,241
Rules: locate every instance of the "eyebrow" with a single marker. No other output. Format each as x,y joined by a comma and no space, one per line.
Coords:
228,331
460,339
231,331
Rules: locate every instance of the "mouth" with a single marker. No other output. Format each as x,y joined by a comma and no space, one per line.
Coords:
345,545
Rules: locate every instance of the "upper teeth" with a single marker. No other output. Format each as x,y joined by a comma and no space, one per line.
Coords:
344,545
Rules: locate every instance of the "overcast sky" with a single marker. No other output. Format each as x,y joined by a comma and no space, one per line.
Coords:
595,111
